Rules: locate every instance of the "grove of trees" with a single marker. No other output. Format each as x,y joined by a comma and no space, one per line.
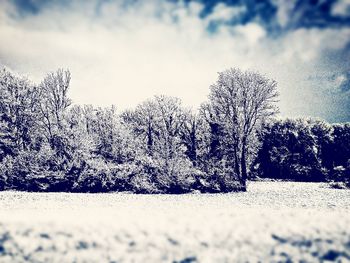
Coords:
304,150
47,143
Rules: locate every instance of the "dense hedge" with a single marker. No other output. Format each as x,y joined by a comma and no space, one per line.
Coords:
304,150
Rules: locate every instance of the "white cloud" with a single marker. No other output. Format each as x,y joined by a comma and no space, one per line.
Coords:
307,45
222,12
339,80
284,10
124,55
251,32
341,8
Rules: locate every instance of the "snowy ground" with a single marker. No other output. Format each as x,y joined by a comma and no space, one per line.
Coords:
273,221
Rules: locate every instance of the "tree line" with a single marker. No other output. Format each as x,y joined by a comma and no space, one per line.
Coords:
47,143
304,150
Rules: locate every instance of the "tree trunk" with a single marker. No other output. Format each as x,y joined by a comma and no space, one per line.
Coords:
193,153
149,138
236,162
244,175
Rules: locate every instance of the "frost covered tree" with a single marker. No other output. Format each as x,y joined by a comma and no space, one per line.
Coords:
159,122
340,153
18,113
239,102
54,102
142,121
293,149
304,150
189,135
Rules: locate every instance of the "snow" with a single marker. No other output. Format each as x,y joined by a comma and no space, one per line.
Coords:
273,221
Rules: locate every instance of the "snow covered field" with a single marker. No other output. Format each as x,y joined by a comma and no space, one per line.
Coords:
273,221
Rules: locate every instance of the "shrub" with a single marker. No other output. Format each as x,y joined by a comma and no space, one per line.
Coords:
95,176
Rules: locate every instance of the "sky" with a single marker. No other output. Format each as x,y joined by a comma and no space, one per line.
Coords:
123,52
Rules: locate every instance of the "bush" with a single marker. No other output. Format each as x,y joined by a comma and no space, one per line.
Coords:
175,175
95,176
219,177
143,184
340,174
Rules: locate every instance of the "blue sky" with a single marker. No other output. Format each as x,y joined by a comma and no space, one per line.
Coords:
122,52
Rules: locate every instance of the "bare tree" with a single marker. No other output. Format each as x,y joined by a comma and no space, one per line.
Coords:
143,123
170,117
188,134
158,121
55,101
239,102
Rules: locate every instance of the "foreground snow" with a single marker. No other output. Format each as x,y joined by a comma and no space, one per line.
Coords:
273,221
